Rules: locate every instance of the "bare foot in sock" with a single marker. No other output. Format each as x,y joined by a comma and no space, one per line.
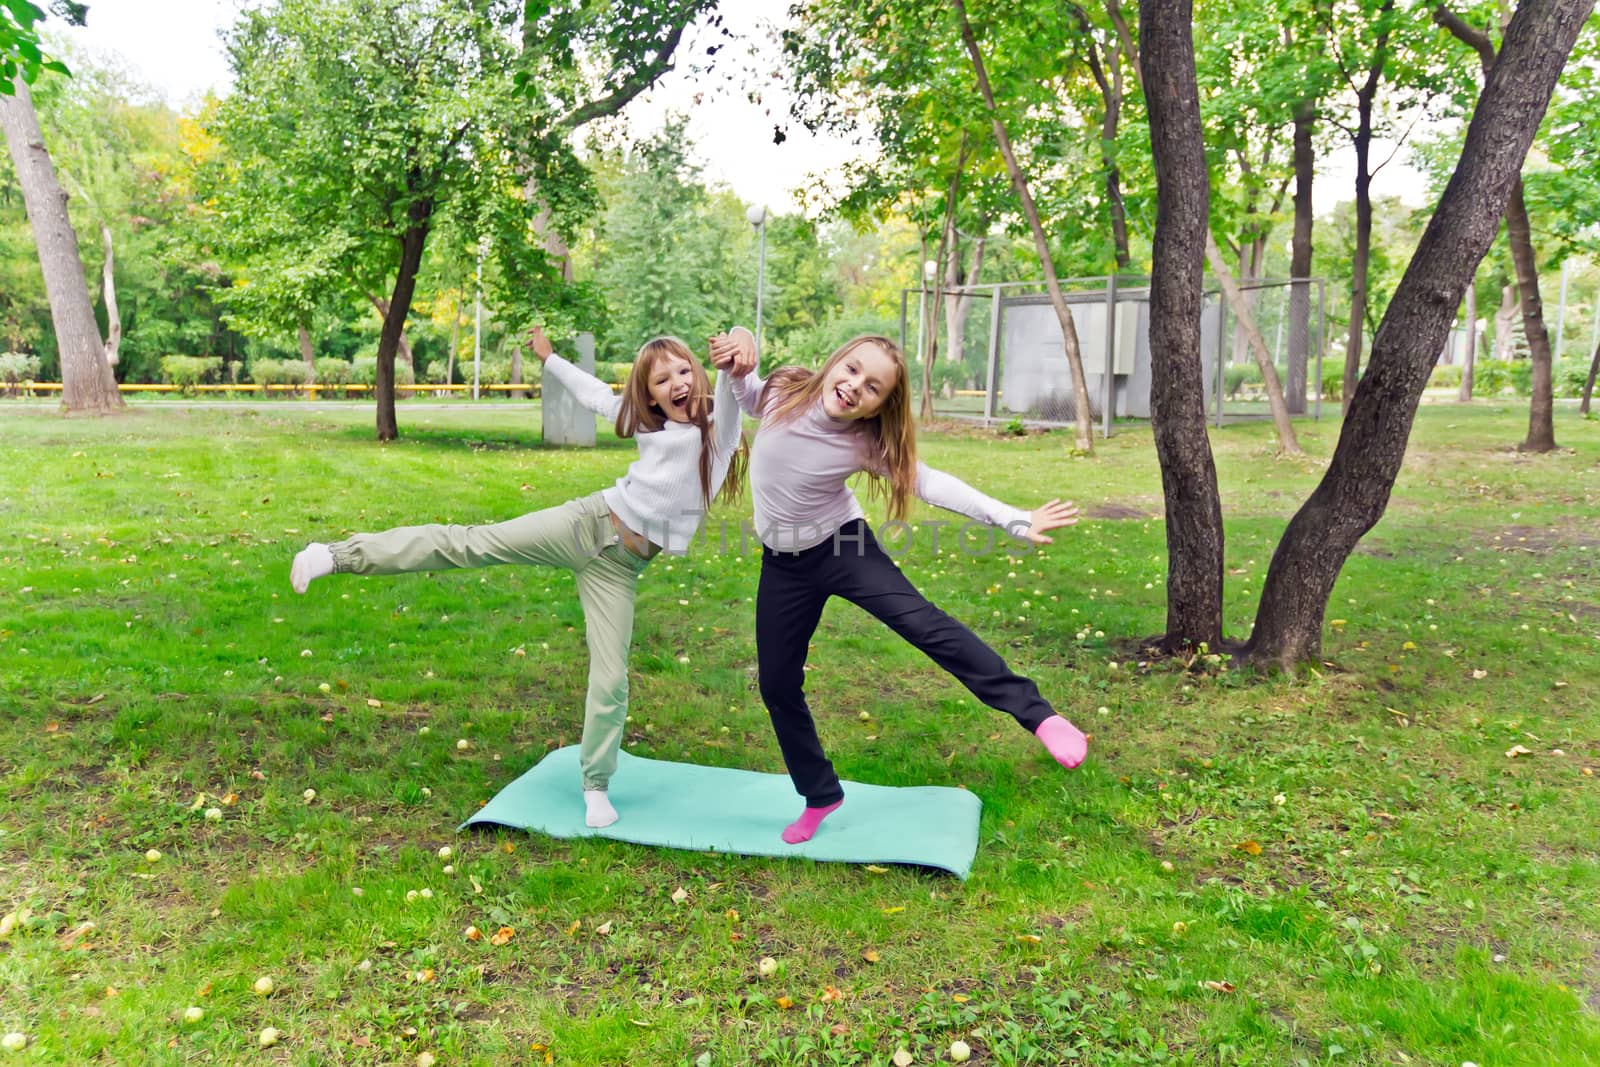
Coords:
310,563
805,827
598,811
1063,740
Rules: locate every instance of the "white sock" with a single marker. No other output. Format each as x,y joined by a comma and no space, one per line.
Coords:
310,563
599,810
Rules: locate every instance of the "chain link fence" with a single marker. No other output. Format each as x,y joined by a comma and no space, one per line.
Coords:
998,353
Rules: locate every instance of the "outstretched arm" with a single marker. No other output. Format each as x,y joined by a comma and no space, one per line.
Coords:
588,390
951,493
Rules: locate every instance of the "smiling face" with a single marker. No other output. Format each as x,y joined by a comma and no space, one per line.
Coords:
856,384
671,385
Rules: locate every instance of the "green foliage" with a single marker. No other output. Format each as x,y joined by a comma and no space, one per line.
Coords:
186,372
1332,380
364,371
265,372
333,371
675,258
21,54
1445,377
17,368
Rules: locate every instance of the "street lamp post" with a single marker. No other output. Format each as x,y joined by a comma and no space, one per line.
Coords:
757,216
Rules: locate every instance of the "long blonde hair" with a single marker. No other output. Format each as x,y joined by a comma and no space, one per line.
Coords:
639,413
891,433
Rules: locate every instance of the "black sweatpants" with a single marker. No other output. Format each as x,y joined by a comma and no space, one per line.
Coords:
795,586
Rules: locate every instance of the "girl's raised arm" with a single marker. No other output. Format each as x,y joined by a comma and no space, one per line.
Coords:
732,351
588,390
725,415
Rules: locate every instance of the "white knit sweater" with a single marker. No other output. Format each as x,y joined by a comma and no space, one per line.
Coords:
659,494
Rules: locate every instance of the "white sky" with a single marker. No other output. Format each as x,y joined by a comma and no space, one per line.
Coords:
174,46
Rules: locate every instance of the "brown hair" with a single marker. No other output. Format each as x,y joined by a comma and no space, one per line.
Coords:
639,413
891,433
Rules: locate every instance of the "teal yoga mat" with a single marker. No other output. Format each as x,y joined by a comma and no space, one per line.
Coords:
720,809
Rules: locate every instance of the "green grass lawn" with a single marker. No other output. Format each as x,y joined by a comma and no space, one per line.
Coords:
1347,867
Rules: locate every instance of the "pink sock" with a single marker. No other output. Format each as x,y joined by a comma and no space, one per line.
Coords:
806,825
1063,740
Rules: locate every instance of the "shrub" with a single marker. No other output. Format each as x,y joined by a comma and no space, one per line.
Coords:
334,372
265,372
16,368
186,372
1332,380
1569,377
434,373
364,370
1448,377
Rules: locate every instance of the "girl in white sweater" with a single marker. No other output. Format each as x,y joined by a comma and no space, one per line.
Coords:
819,428
688,444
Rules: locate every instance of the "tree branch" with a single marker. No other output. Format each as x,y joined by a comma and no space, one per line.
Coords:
1468,34
636,83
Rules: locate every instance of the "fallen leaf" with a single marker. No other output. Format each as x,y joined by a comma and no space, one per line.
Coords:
871,955
1252,847
502,936
1031,939
374,703
604,929
785,1003
829,993
576,925
474,934
1220,987
875,869
902,1058
679,895
1517,750
895,909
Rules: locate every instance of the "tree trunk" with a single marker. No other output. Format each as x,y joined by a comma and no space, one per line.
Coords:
1352,496
1109,78
88,386
455,341
1300,259
1588,386
1083,424
308,354
1541,407
1470,359
958,305
108,291
516,372
1359,261
381,306
1177,385
1288,444
947,245
419,216
1505,340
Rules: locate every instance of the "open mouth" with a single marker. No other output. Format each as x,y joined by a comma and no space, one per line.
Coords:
846,400
680,402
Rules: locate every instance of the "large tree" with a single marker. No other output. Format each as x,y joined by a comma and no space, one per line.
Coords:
1177,385
1519,230
1354,493
88,386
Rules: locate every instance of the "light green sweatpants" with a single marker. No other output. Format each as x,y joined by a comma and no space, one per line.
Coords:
577,535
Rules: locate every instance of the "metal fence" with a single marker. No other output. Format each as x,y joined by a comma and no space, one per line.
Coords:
999,353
